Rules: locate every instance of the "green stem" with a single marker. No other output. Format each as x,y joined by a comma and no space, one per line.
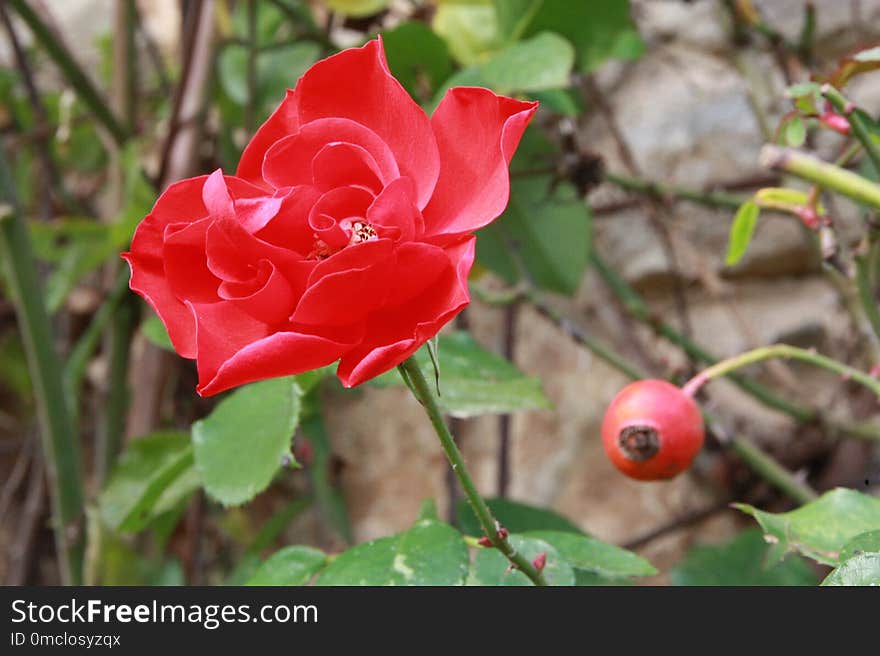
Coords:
713,200
821,173
856,122
57,432
411,371
74,74
784,351
772,471
866,291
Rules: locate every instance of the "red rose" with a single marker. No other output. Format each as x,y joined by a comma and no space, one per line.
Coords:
345,234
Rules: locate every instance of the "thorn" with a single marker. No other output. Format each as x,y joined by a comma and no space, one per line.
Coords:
540,561
485,542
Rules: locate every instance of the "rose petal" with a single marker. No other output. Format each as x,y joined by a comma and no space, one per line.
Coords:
186,266
234,255
235,349
340,164
390,342
283,121
477,133
346,287
357,84
288,162
289,228
267,297
395,207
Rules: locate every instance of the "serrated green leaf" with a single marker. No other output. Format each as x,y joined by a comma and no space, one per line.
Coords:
475,381
289,566
541,62
821,528
516,517
242,444
741,231
490,567
429,553
861,570
741,561
154,474
862,543
589,554
795,133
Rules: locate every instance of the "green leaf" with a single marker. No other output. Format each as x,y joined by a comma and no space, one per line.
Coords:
861,570
476,381
154,330
546,229
542,62
418,58
429,553
592,555
357,8
795,132
741,231
803,89
268,533
428,510
862,543
470,30
277,68
153,475
516,517
741,561
289,566
490,567
821,528
245,440
513,17
599,29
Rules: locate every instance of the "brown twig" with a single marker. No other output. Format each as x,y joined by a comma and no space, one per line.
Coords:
31,515
677,524
651,206
16,476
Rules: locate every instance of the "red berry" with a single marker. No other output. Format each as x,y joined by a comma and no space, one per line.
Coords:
652,430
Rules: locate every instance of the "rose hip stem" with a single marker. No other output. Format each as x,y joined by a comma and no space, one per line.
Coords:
413,373
779,351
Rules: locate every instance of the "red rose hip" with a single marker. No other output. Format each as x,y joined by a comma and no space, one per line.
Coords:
652,430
